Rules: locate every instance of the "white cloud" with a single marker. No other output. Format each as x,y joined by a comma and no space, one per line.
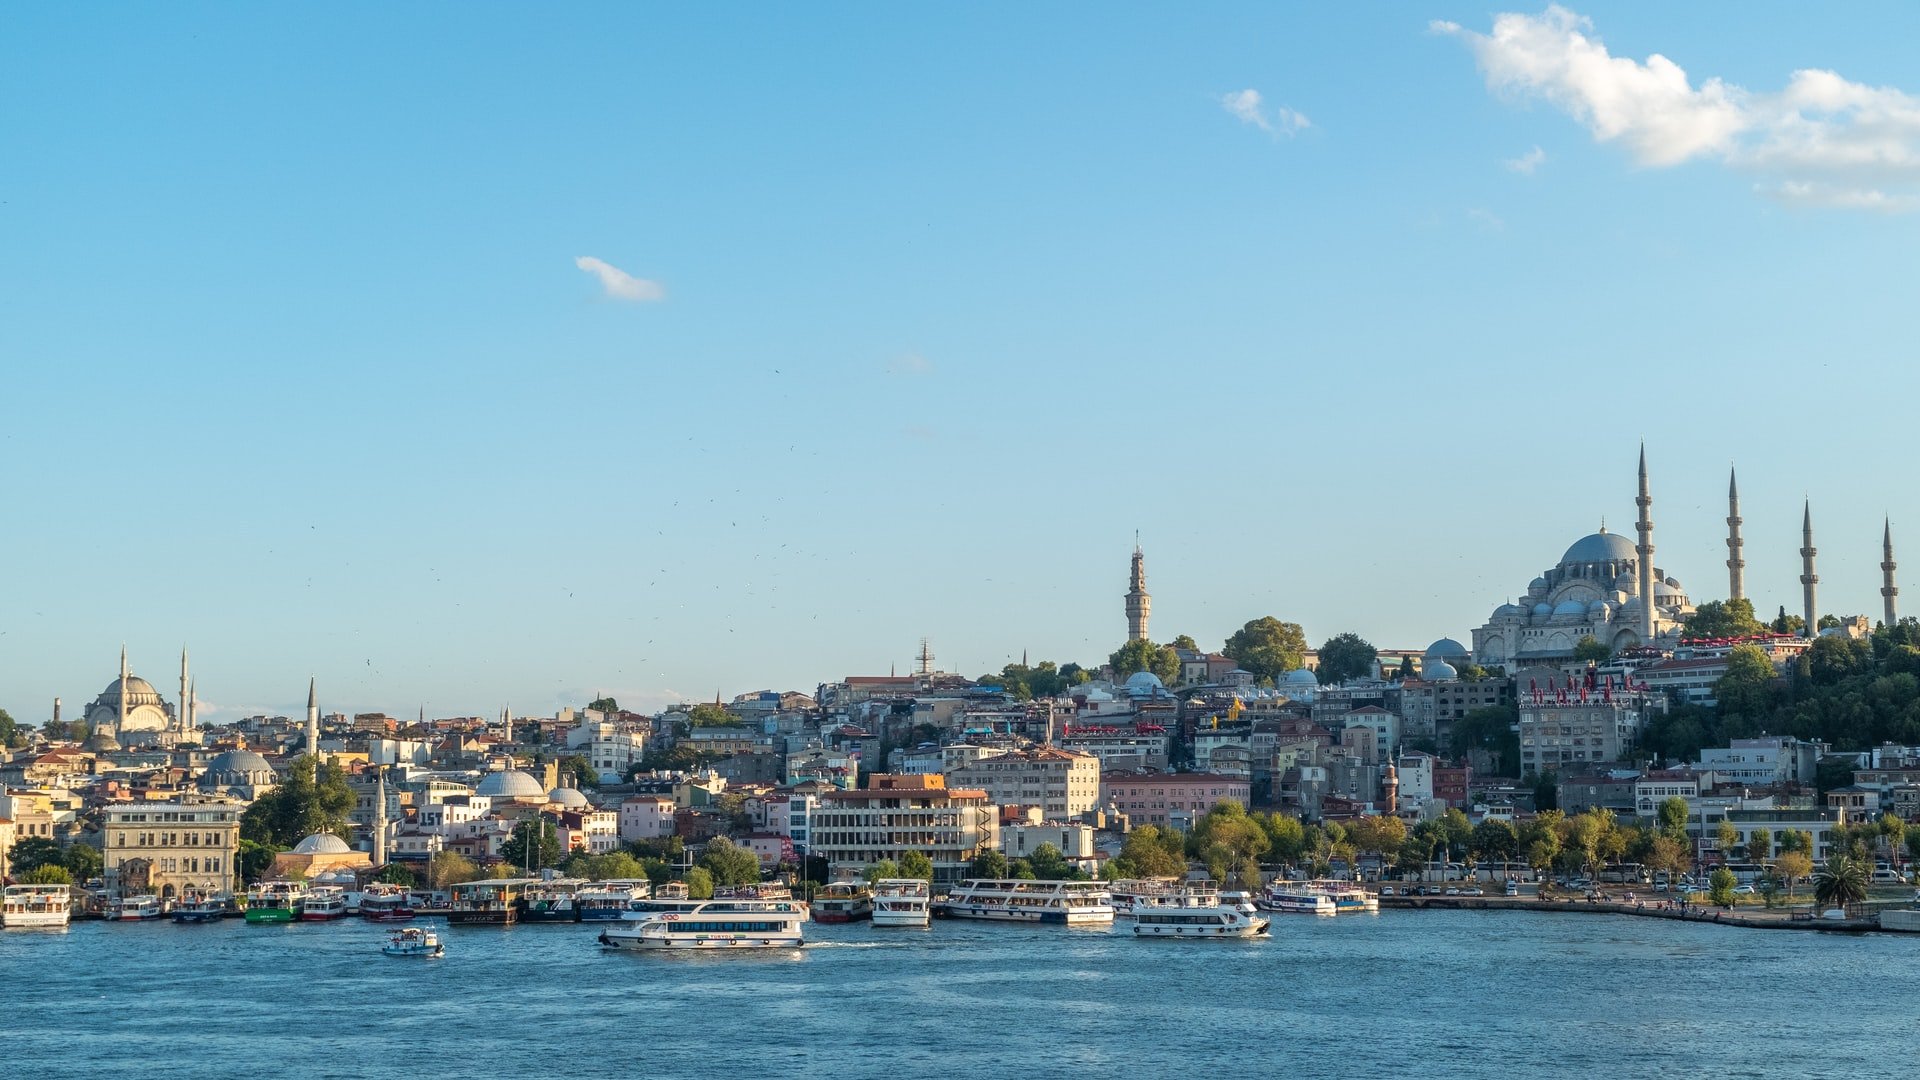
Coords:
619,284
910,364
1527,162
1821,141
1248,107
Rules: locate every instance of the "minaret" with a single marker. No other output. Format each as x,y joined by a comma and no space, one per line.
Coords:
1736,565
180,718
313,721
193,705
1888,590
56,712
380,816
1808,579
1139,604
1644,552
120,725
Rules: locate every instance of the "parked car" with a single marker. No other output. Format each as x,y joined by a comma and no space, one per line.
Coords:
1451,891
1386,890
1473,890
1743,890
1888,877
1513,888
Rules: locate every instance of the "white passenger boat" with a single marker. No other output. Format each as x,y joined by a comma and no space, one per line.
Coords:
1076,903
413,941
713,924
1198,914
1240,900
901,902
1127,892
605,901
137,909
386,903
36,905
1348,897
324,904
1296,897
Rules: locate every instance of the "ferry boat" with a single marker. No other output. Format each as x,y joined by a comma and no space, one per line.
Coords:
197,909
1295,897
1200,913
413,941
1240,900
36,905
324,905
136,909
1076,903
843,901
901,902
714,924
1348,897
494,902
605,901
669,897
274,901
386,903
1128,893
551,900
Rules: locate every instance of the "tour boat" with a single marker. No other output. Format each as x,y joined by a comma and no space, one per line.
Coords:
1347,896
494,902
843,901
413,941
386,903
552,900
760,890
1075,903
137,909
1239,900
714,924
274,901
1130,893
605,901
1296,897
196,909
36,905
669,897
901,902
1200,913
324,905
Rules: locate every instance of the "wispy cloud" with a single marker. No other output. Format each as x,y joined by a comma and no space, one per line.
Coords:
910,364
1486,219
1527,162
619,284
1249,107
1821,141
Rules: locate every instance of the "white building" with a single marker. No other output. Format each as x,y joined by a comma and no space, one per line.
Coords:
1061,783
612,745
645,817
1762,762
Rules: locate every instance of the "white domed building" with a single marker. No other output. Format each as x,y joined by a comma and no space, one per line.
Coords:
1592,592
512,786
319,854
149,719
241,774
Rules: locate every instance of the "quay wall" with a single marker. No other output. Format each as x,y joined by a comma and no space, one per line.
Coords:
1781,920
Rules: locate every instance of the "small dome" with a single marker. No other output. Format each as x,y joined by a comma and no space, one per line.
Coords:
1537,587
568,797
1543,610
321,844
1570,609
1508,611
1600,547
1301,677
1447,648
101,742
510,784
1438,671
1144,684
1597,609
1665,589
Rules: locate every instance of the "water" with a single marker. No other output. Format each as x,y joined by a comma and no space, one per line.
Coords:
1430,993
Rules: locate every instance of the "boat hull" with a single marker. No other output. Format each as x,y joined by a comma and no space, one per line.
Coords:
1253,928
1000,914
916,919
25,920
269,915
695,943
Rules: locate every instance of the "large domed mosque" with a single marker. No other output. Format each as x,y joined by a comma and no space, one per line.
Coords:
131,713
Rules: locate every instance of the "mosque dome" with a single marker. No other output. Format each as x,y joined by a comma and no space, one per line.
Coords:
1537,587
1543,610
1574,609
1599,547
139,692
1301,677
237,768
1436,670
1508,611
511,784
568,797
101,742
1144,684
321,844
1597,609
1448,648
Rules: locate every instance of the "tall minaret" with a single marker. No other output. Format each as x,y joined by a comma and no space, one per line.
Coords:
180,718
1888,590
380,816
313,721
193,705
1736,565
1808,579
121,724
1644,552
1139,604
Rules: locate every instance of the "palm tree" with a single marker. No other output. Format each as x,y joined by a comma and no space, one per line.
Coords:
1842,882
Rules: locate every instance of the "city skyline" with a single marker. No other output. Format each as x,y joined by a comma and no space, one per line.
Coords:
627,353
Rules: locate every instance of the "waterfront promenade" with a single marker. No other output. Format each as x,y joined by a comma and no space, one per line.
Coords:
1758,918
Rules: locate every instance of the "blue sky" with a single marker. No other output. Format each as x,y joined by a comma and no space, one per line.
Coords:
909,321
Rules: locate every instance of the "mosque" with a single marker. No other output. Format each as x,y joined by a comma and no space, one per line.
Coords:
131,713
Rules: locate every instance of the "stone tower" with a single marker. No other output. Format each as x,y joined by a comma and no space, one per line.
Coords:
380,816
1644,552
1888,590
1736,564
1139,604
1809,581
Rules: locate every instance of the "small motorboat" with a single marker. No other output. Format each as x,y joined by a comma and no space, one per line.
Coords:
413,941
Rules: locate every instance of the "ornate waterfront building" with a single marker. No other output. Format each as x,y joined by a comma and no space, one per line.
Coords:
168,849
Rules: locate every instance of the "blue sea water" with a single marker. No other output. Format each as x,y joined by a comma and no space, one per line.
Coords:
1401,993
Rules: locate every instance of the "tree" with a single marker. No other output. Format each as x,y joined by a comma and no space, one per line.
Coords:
47,874
1832,660
1841,882
308,800
32,853
1267,647
988,864
1344,657
709,714
396,874
1727,836
10,734
1021,870
604,704
880,871
1405,670
1720,885
699,884
1144,655
1832,771
1788,624
1185,642
916,864
1043,680
585,776
1050,864
1489,731
1893,831
1546,791
1150,851
1591,650
1759,844
1673,818
1286,835
1747,686
450,868
729,863
1494,840
1666,855
1724,619
534,845
254,859
1792,866
83,861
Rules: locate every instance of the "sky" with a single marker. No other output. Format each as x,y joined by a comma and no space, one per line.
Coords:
464,356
